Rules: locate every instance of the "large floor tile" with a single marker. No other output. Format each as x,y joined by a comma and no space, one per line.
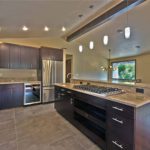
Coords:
40,127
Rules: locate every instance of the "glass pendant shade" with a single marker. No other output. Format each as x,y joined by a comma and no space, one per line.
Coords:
91,45
80,48
105,40
127,32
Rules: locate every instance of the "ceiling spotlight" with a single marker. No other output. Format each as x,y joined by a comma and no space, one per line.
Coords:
91,6
91,45
24,28
80,48
120,31
80,15
127,32
138,46
63,29
46,28
105,40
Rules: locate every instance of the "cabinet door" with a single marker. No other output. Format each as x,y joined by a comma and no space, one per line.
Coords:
11,96
14,56
5,97
34,57
29,58
4,56
18,95
56,54
51,53
25,57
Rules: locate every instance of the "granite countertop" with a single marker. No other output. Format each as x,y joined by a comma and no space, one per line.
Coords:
130,99
122,83
19,81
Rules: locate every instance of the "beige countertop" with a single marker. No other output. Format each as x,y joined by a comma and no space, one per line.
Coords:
130,99
122,83
18,82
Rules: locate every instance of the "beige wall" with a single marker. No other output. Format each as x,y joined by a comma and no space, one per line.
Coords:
142,66
86,65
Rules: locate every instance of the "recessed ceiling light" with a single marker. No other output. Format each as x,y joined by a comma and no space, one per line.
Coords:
25,28
80,15
120,31
91,6
63,29
46,28
138,46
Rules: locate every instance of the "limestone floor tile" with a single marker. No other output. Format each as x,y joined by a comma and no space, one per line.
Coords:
11,145
40,127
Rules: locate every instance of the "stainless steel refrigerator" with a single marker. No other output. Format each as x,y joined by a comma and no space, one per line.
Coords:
52,72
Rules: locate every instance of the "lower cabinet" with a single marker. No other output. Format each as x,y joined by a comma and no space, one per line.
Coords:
111,125
11,95
64,103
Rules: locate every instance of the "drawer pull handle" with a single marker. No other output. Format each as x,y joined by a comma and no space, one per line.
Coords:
71,101
120,109
119,121
115,143
69,92
62,94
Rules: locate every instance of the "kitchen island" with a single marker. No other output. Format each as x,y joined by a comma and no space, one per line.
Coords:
113,122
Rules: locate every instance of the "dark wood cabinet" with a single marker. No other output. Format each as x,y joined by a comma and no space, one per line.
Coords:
82,111
11,95
120,121
18,57
51,53
4,56
64,103
14,56
29,58
111,125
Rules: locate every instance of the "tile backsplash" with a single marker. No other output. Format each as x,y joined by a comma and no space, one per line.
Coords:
18,74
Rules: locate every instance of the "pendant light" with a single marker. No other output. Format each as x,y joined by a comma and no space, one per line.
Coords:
80,48
91,45
109,67
127,30
105,40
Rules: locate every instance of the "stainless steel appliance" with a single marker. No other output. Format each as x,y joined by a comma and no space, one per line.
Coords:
32,93
101,90
52,72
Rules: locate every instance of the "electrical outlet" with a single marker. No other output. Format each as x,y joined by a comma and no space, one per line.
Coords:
140,90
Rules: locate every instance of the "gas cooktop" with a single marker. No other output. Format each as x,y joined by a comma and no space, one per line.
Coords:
101,90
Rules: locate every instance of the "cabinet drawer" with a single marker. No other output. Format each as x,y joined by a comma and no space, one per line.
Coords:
121,126
95,101
120,109
115,143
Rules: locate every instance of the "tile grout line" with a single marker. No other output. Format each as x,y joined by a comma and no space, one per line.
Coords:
16,129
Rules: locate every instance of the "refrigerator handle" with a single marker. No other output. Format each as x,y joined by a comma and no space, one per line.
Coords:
55,71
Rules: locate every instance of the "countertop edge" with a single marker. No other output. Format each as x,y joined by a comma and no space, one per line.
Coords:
109,98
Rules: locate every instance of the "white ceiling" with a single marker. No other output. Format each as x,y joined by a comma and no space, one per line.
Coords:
55,13
37,13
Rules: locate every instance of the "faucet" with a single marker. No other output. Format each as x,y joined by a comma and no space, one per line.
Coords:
69,74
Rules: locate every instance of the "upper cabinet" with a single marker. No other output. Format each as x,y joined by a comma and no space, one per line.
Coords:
51,53
29,57
4,56
23,57
18,57
14,56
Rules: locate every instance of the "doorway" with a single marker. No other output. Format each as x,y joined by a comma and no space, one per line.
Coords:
69,59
